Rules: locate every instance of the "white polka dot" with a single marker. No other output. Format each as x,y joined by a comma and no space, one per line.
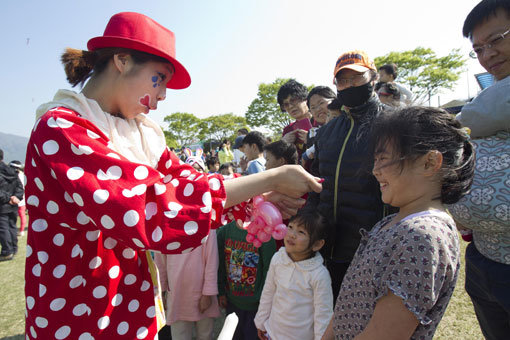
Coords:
77,198
173,246
57,304
28,251
150,210
42,256
68,198
32,332
142,333
151,312
95,262
128,253
206,199
185,251
168,163
52,173
191,227
92,235
100,196
76,281
41,322
113,173
76,251
51,122
86,336
107,222
133,305
145,285
174,209
117,300
59,271
58,239
42,290
52,207
188,190
122,328
65,225
113,155
37,150
81,309
99,292
30,302
75,173
63,332
39,184
138,243
129,279
50,147
185,173
33,200
131,218
214,184
33,164
192,177
82,218
141,172
114,271
36,270
175,182
103,322
92,135
64,123
167,178
110,243
39,225
159,188
157,234
204,240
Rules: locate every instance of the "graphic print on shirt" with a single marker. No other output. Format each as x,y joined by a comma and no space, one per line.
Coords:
242,259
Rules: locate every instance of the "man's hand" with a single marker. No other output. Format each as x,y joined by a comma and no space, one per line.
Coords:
14,200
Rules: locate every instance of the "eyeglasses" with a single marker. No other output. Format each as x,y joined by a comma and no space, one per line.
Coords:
356,80
493,42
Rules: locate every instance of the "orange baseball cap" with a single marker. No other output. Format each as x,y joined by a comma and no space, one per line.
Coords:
355,60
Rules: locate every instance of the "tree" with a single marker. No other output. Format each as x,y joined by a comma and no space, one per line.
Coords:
264,110
424,72
222,126
184,128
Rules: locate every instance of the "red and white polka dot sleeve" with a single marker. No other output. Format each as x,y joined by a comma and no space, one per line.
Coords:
82,182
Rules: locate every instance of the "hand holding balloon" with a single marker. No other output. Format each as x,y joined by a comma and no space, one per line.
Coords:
267,222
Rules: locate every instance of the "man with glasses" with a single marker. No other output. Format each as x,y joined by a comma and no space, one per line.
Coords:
488,117
292,99
350,197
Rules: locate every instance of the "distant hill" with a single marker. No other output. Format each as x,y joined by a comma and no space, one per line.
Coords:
14,147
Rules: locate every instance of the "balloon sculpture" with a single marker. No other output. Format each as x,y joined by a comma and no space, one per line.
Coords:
267,222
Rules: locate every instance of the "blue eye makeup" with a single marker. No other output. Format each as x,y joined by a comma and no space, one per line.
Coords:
157,80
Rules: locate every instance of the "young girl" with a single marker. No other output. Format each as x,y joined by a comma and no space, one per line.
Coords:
191,284
103,188
297,299
404,271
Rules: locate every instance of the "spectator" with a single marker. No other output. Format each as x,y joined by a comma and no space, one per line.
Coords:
388,74
334,109
225,155
238,154
212,164
16,165
227,170
389,94
253,147
280,153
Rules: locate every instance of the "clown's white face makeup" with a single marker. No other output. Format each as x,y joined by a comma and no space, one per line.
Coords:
141,86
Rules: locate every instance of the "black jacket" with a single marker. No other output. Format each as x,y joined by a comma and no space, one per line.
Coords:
10,185
342,158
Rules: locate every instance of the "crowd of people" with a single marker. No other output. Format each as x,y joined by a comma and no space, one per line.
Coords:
125,236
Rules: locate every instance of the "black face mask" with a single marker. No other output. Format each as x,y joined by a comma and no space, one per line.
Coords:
356,96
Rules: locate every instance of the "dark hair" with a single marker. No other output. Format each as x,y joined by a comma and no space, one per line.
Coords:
226,166
336,104
314,223
244,131
1,155
79,65
293,89
282,149
415,130
322,91
390,69
211,161
391,89
481,13
255,137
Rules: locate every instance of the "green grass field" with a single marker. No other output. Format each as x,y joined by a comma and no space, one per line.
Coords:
459,322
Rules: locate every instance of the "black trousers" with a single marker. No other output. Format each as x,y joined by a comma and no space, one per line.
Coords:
8,233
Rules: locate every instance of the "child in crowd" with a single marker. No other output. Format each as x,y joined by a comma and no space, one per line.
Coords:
334,109
21,205
190,283
280,153
253,148
405,269
212,164
241,276
297,299
227,170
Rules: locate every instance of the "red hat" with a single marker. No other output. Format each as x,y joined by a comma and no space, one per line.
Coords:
355,60
139,32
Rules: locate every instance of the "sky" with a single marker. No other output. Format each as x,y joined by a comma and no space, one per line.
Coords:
228,47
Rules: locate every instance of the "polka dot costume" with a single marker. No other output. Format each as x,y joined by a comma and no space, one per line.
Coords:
93,214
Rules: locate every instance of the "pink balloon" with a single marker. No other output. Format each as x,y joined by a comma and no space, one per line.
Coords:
280,231
257,243
250,238
263,236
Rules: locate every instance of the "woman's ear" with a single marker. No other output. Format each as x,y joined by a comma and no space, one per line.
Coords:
433,161
121,61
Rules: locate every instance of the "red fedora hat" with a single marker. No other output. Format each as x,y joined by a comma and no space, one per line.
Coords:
139,32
